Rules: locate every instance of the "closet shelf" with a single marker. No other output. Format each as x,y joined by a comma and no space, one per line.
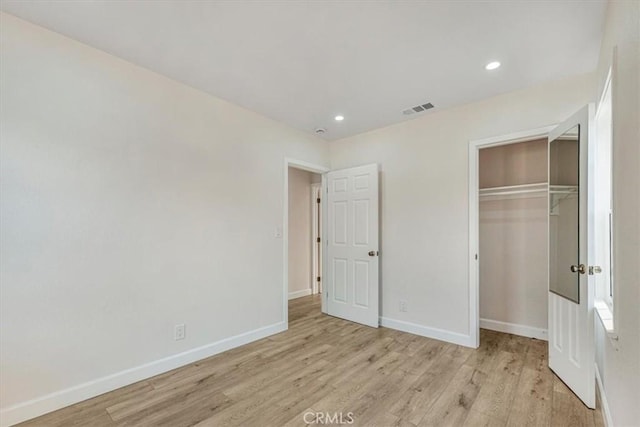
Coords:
563,189
538,189
558,193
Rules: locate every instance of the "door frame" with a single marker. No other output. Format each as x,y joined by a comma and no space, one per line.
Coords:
474,207
309,167
316,231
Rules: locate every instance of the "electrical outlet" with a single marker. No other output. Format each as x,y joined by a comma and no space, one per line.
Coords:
180,332
403,306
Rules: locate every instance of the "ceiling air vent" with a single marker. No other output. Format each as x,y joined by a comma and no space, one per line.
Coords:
417,109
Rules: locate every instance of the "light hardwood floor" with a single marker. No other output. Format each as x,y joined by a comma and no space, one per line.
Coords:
323,364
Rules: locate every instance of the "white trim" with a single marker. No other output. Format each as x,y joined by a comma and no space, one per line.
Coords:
299,294
474,147
514,328
309,167
605,294
603,312
513,138
59,399
606,412
429,332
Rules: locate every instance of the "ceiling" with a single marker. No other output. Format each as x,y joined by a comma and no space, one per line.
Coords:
302,63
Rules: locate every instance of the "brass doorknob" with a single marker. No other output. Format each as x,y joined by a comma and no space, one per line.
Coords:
578,269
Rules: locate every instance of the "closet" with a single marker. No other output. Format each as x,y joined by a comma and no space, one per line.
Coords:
513,231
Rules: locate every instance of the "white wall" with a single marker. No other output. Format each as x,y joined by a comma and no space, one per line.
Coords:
513,164
125,210
424,191
300,256
619,365
129,203
513,264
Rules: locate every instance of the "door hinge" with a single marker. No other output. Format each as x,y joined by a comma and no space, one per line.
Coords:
318,240
476,257
318,279
318,200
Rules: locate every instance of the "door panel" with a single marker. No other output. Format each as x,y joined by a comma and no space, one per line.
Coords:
352,247
339,214
340,279
361,283
571,340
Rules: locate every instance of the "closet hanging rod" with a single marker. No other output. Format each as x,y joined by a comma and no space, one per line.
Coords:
514,189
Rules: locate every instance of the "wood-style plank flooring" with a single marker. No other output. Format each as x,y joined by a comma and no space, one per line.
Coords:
323,364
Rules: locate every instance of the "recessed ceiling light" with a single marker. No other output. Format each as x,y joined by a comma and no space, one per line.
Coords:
339,118
492,65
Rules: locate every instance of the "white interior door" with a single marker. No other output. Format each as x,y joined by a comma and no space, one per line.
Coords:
571,296
352,244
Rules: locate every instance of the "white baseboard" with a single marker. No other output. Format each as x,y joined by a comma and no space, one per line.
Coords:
425,331
606,414
299,294
51,402
515,329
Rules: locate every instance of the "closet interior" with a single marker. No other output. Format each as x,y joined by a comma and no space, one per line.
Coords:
514,230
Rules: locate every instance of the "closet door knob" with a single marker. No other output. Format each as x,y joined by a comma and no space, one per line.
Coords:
578,269
372,253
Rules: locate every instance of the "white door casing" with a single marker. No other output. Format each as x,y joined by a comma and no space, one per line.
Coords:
283,232
352,261
571,336
474,238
